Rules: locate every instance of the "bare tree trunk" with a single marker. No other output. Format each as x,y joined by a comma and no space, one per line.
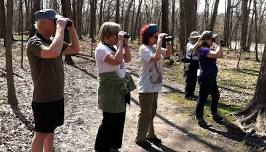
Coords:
74,12
165,11
101,13
244,24
250,31
136,20
227,28
214,14
187,21
117,15
182,35
206,15
93,24
93,4
36,7
132,23
66,9
173,18
21,29
27,7
259,32
2,19
12,99
126,21
79,17
256,111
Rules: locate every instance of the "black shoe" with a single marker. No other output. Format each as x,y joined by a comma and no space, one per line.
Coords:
143,144
155,140
193,97
217,117
202,123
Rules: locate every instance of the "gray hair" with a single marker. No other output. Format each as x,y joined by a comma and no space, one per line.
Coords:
108,29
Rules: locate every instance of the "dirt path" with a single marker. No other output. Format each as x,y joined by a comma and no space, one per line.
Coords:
82,117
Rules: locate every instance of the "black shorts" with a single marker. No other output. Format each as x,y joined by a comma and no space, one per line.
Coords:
48,116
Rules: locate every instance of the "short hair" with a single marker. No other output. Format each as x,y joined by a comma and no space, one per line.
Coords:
108,29
146,32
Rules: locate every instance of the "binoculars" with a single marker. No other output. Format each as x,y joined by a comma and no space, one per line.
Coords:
168,38
69,23
222,42
126,36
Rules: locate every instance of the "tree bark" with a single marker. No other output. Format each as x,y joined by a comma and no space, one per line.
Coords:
21,29
126,21
2,19
132,23
256,112
36,7
227,28
136,20
12,99
101,13
117,11
250,31
187,21
79,18
244,24
173,18
214,14
165,11
66,9
93,9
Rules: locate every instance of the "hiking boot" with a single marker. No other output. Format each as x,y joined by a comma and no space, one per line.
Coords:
143,144
202,123
217,117
155,140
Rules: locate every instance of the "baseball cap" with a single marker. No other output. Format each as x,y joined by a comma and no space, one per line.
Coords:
152,28
46,14
207,34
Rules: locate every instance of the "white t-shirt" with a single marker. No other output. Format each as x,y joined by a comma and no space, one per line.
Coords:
100,54
150,76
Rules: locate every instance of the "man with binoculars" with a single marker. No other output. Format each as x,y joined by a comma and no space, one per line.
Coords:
47,71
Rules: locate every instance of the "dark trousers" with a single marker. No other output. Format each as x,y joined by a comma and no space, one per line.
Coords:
191,79
110,132
208,85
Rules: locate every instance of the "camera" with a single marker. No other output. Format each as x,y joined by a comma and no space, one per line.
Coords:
126,36
167,38
222,42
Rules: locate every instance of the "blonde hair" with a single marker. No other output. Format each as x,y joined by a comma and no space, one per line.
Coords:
108,29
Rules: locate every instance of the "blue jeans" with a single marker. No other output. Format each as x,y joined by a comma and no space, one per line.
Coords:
208,86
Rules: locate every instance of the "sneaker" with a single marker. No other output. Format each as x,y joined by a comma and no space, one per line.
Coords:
155,140
143,144
202,123
217,117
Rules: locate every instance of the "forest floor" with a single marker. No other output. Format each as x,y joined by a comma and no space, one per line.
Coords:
174,122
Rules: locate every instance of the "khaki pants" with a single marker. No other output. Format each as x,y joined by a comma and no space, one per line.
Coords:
148,107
